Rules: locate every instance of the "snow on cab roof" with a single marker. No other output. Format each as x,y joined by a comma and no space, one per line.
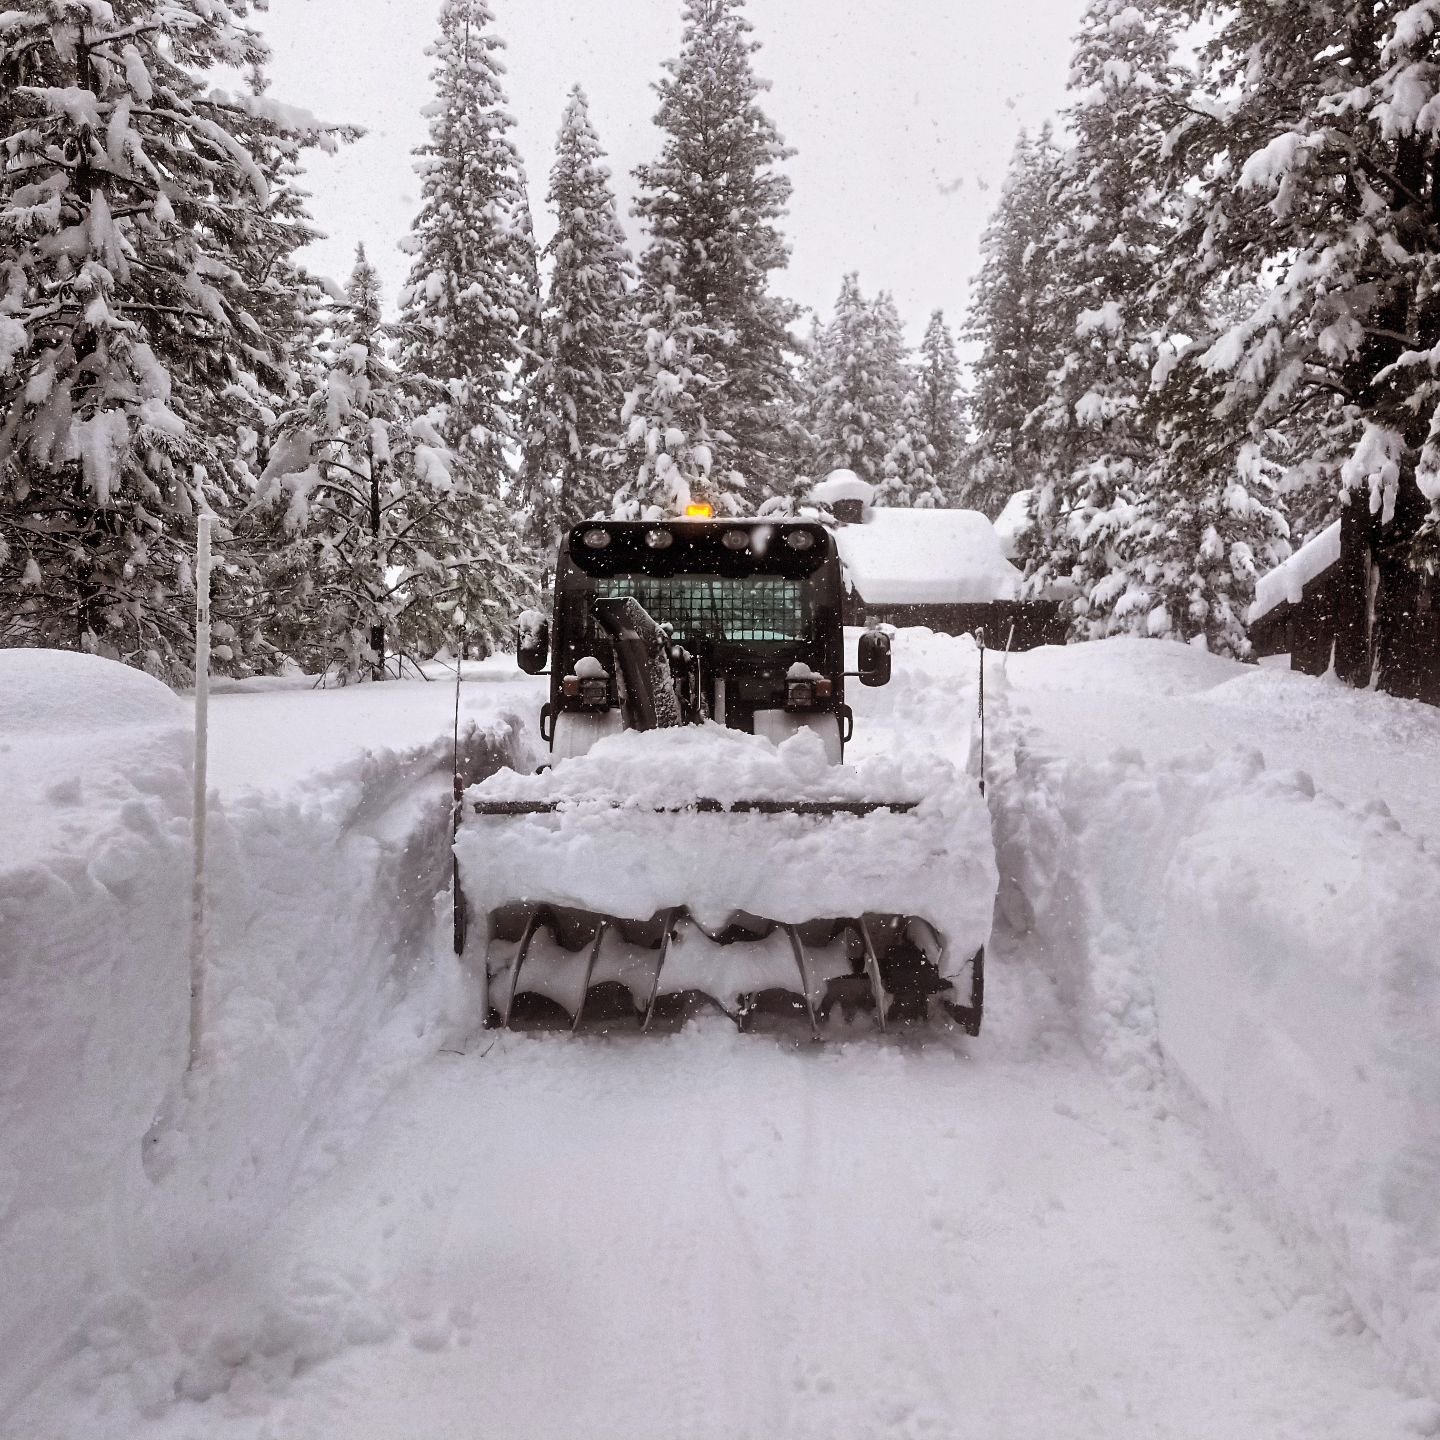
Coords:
926,557
1287,581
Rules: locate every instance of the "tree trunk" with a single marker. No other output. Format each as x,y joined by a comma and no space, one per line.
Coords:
377,628
1351,593
1402,613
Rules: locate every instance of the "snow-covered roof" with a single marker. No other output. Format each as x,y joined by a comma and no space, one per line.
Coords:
842,485
926,557
1287,581
1013,521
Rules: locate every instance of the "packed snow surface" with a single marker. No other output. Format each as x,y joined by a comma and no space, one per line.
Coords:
711,1236
915,557
612,847
1287,581
1180,1188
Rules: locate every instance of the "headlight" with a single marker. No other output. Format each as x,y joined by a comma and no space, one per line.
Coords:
595,539
659,539
800,539
736,539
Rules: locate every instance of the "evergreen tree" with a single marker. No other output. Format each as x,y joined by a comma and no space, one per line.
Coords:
910,461
1011,318
467,297
588,328
1095,444
147,312
665,458
893,379
533,492
378,563
1151,514
941,407
712,205
861,385
1203,528
349,495
803,459
1307,170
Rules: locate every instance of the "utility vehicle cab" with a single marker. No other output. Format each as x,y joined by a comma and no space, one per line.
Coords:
752,611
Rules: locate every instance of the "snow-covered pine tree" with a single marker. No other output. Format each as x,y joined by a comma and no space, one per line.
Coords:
892,374
665,456
534,496
942,407
1093,439
712,205
1203,526
1011,319
1309,167
464,306
910,461
378,564
345,496
804,459
859,388
588,332
147,313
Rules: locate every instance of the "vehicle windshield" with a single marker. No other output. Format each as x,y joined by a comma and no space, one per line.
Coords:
708,607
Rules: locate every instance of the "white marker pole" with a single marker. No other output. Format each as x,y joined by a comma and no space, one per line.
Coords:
197,823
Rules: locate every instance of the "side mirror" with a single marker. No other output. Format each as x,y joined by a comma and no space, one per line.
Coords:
532,642
873,666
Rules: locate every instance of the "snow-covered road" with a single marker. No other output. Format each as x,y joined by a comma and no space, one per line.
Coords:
710,1237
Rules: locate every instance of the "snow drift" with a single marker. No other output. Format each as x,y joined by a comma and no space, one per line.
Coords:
94,902
1269,949
323,922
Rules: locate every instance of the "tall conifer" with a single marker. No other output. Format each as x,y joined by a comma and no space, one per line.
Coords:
1153,534
712,204
665,456
147,312
588,332
1306,174
941,407
465,303
861,383
1012,319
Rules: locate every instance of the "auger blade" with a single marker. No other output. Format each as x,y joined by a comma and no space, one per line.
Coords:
579,970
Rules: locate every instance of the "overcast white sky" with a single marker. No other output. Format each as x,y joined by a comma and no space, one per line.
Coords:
903,113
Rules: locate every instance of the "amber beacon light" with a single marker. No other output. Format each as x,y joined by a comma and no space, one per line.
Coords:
700,512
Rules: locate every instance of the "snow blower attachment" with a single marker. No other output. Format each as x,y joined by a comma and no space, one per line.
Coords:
698,839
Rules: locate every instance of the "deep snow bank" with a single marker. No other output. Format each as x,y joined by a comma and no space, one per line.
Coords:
1298,992
323,922
94,899
1270,948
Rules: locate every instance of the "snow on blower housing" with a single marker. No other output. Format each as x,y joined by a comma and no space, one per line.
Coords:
698,837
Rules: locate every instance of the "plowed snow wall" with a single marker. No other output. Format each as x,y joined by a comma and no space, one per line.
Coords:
1298,992
326,911
1274,953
